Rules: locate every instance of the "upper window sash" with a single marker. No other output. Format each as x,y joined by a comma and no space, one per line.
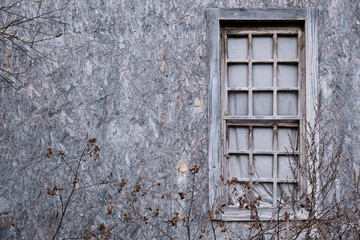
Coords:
251,66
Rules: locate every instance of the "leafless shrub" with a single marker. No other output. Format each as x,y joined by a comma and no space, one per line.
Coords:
314,212
66,193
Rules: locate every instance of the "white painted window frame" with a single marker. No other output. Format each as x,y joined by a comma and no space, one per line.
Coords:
309,17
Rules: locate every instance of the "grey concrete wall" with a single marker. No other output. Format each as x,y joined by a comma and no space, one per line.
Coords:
132,74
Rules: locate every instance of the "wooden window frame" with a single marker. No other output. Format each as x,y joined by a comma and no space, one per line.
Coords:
307,17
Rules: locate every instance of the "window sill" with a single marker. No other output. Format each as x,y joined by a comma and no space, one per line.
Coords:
234,214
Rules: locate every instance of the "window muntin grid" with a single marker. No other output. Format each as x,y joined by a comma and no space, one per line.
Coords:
262,101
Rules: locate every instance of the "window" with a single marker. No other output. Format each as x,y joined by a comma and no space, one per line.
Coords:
262,86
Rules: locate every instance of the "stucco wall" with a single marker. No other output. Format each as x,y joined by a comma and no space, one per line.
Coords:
132,74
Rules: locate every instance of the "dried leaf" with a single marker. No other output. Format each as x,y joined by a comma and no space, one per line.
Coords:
49,153
110,208
182,195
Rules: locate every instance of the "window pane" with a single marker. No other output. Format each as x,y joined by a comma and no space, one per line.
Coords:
238,138
238,75
263,138
234,192
262,75
287,103
239,166
286,138
287,47
284,169
285,192
262,103
238,103
263,166
238,48
262,47
287,75
265,191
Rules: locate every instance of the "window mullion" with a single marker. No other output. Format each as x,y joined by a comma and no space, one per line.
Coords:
299,36
251,161
224,111
275,167
250,108
275,74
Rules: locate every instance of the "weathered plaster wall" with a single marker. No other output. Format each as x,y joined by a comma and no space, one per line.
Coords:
128,73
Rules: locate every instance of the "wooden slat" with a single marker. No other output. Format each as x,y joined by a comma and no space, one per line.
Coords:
239,89
214,142
290,181
258,30
244,61
261,14
302,104
250,95
224,109
311,35
266,180
275,110
283,153
262,152
233,213
311,52
265,118
293,61
232,60
275,166
288,89
251,158
245,89
238,152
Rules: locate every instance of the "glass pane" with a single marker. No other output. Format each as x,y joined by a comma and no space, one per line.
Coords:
286,138
238,75
265,191
238,138
286,192
287,103
238,48
262,47
263,138
262,75
262,103
287,75
287,47
234,192
263,166
284,167
239,166
238,103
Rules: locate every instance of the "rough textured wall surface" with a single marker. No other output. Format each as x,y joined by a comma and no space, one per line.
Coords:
132,74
